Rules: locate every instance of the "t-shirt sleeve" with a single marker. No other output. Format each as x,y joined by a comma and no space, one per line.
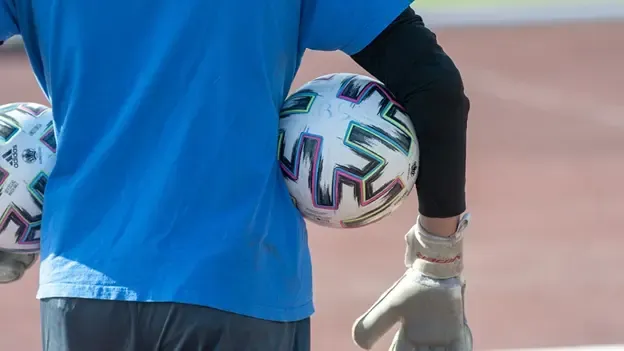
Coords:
346,25
8,27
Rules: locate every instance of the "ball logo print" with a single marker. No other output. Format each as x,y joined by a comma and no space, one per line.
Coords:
347,150
10,156
28,154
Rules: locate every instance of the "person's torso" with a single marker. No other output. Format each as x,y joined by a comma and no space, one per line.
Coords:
167,186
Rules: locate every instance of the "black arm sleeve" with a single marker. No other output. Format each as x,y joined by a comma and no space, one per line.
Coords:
408,60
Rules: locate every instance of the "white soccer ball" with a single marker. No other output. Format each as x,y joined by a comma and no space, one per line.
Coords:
347,149
27,155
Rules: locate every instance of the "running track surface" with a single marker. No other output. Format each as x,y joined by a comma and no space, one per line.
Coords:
546,165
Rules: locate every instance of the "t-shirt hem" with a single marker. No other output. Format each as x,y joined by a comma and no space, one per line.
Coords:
115,293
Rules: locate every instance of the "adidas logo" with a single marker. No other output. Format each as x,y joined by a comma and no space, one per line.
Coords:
11,157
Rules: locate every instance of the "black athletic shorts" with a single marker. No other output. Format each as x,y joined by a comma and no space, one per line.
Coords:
70,324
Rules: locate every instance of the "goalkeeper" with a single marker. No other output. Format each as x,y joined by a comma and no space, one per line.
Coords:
165,228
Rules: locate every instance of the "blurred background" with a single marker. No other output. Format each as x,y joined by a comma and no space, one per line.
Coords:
545,182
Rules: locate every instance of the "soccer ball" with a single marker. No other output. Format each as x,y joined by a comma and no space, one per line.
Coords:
27,155
347,149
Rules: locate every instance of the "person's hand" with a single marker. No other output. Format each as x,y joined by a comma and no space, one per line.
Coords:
13,265
428,300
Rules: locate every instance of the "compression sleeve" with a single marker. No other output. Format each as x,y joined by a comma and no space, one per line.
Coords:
407,58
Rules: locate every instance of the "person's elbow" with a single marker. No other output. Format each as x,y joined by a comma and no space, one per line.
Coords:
443,85
407,58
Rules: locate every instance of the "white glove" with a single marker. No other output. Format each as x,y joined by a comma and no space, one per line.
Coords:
428,300
13,265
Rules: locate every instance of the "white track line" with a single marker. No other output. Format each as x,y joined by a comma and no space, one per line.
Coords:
574,348
544,98
522,14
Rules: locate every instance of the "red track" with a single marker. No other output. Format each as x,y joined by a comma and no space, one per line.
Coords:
546,165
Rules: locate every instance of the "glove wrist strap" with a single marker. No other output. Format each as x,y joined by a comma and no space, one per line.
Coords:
435,256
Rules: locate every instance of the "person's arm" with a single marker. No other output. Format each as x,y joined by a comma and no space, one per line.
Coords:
405,56
392,43
428,299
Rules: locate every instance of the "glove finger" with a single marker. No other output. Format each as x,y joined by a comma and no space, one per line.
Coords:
401,343
376,322
13,266
464,343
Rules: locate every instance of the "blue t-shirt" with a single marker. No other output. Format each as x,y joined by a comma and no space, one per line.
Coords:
167,185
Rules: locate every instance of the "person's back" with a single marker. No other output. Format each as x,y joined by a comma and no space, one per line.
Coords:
167,186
